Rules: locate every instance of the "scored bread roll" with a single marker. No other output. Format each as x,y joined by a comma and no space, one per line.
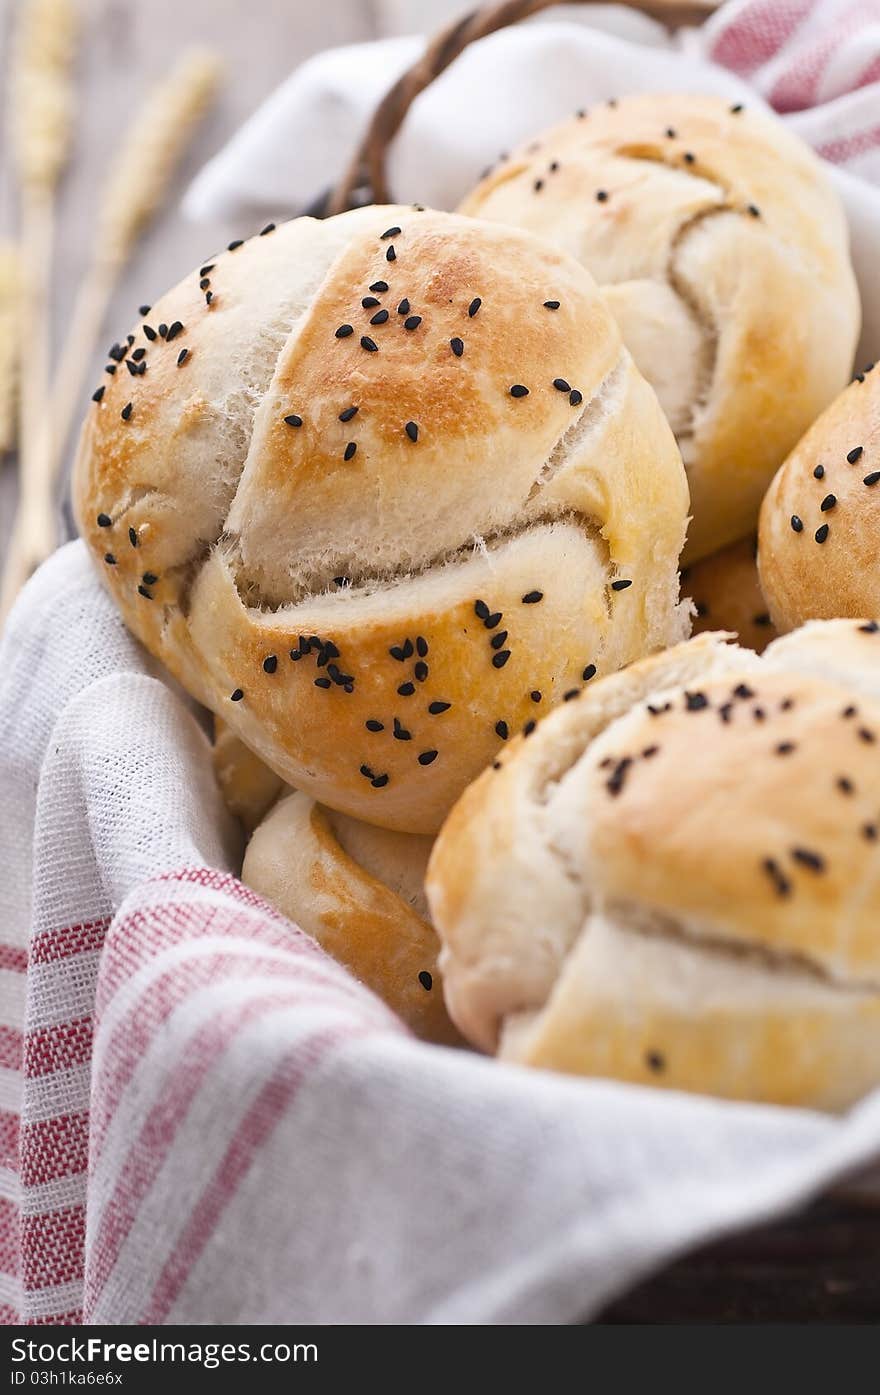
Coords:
366,485
359,890
819,535
674,880
726,592
722,250
249,788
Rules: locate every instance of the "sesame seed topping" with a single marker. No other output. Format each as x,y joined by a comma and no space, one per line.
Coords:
406,689
293,420
344,331
819,472
589,672
855,454
797,524
457,346
474,306
270,663
369,344
379,286
426,757
98,393
412,430
500,659
426,980
132,537
532,597
551,304
127,411
412,322
435,708
236,695
828,503
389,232
379,318
502,730
519,391
620,585
821,533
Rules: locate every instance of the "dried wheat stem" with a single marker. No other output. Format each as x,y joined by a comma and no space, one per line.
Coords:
10,295
136,190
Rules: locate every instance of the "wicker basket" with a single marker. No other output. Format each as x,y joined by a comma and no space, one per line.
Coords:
820,1265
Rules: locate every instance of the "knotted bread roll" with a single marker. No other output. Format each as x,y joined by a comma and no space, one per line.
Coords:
359,890
722,251
819,536
374,488
675,879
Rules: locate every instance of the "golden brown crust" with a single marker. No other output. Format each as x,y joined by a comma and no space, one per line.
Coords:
819,536
722,251
703,831
249,787
297,860
726,591
322,599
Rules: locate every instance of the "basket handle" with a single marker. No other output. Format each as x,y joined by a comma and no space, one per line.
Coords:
367,167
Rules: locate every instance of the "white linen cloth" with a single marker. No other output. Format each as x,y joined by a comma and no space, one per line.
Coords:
201,1117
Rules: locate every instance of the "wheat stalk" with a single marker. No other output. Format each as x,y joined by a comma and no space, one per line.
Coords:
40,119
10,292
135,191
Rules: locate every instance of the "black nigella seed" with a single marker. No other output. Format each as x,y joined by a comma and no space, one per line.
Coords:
529,728
369,301
182,357
350,449
412,430
367,772
777,876
144,310
572,693
426,757
391,255
500,659
344,331
270,663
116,352
110,368
398,652
481,610
474,306
854,454
293,420
403,307
406,689
736,108
670,132
173,331
689,157
867,736
400,732
871,627
379,782
389,232
127,411
551,304
109,559
295,655
807,858
373,725
369,344
492,620
497,640
575,397
869,831
589,672
519,391
754,210
149,578
270,227
785,748
323,682
98,394
203,270
237,242
828,502
379,286
538,185
149,332
532,597
655,1061
457,346
104,520
601,195
420,670
502,730
209,296
132,537
426,980
872,478
561,385
348,414
535,695
821,533
421,646
379,318
237,695
138,355
142,591
412,322
435,708
695,702
819,472
621,584
132,367
797,524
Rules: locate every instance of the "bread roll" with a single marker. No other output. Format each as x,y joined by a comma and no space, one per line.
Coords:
397,475
722,251
726,592
674,880
819,537
359,890
249,788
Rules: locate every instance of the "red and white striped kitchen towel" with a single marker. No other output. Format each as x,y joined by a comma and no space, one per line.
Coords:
202,1118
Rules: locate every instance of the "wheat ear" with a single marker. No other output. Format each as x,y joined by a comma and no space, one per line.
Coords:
10,292
40,118
136,189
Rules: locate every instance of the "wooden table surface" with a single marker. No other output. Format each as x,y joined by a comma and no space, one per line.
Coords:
126,48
